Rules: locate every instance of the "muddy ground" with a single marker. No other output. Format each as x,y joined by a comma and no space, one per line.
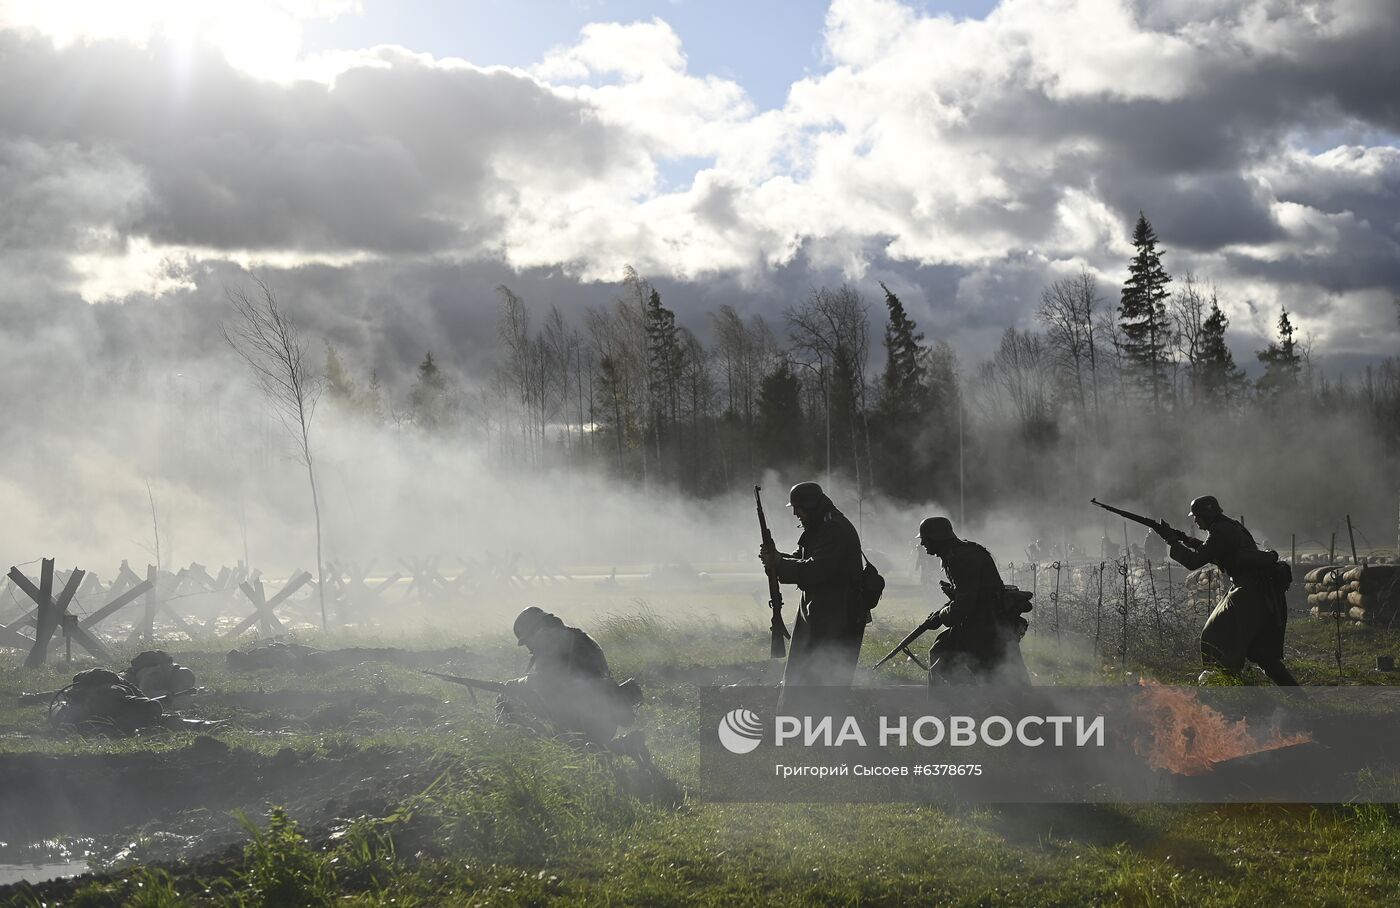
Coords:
178,804
182,804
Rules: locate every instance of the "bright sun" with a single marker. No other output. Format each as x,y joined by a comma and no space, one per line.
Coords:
260,37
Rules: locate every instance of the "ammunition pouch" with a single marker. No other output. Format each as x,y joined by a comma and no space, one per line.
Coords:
1268,566
1257,560
622,701
870,585
1015,603
629,692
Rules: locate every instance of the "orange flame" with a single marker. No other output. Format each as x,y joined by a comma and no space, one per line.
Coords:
1189,737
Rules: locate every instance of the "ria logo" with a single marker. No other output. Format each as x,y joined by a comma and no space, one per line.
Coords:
740,731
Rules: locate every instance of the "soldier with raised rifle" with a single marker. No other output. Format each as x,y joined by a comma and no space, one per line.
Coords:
1249,623
982,642
828,568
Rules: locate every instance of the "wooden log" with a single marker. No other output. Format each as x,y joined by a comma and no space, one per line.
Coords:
263,609
13,638
53,610
169,611
257,596
145,629
115,605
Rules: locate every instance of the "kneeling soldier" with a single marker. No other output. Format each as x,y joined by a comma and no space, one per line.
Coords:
982,642
568,681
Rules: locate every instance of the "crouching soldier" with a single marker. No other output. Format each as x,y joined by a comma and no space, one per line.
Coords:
102,702
568,683
983,641
156,673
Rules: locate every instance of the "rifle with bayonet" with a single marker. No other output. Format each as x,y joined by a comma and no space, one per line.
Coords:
778,631
932,622
1168,532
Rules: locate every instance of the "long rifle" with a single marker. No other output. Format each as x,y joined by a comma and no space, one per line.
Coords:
930,623
45,696
778,631
494,687
165,698
1168,532
471,684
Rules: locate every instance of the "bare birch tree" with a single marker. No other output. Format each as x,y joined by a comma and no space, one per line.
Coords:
832,327
1067,307
267,339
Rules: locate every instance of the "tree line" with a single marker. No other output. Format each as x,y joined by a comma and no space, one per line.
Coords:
634,393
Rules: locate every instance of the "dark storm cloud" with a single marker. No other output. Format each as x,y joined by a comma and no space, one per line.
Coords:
1351,70
1362,263
393,159
1363,182
1184,159
1200,212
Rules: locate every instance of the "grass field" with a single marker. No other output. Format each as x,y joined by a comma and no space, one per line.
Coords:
371,784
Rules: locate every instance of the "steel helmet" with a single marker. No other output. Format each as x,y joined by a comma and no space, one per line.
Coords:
1205,506
807,495
936,529
528,622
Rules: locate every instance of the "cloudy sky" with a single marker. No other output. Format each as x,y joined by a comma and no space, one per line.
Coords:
386,164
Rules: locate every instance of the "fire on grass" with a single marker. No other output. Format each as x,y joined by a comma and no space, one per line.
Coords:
1189,738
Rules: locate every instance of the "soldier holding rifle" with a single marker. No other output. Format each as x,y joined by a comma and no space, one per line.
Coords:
827,566
983,640
568,680
567,686
1249,622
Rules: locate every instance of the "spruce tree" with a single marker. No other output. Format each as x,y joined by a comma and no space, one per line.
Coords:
371,402
664,357
427,399
779,424
1283,364
1143,315
902,384
903,404
1219,377
339,385
615,416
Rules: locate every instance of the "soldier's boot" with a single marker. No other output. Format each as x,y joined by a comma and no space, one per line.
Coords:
634,745
1278,673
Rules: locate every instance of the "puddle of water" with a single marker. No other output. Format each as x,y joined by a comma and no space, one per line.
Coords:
39,873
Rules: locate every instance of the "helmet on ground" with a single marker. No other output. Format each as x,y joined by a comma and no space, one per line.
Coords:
806,495
936,529
1205,506
528,622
